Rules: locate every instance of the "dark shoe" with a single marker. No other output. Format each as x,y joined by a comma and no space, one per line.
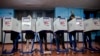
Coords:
63,47
46,49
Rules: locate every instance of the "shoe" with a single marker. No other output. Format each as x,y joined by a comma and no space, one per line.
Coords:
72,48
46,49
63,47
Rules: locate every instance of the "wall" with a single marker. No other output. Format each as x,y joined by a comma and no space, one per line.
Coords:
91,15
98,15
7,13
66,12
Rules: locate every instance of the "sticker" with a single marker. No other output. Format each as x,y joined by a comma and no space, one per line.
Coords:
26,19
62,22
7,23
79,23
97,23
46,22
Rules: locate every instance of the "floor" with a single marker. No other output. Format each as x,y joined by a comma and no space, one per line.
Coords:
54,53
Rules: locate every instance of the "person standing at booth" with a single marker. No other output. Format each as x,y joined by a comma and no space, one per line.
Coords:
87,35
60,37
43,36
15,37
72,35
29,36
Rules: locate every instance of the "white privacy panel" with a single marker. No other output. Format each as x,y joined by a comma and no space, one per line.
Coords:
49,37
66,37
60,24
28,24
10,24
44,23
76,25
79,36
91,24
8,38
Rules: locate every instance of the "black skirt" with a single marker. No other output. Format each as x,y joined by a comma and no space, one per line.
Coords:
14,35
29,35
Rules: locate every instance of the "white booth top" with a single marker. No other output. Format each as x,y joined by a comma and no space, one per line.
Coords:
60,24
91,25
44,24
11,24
28,24
76,24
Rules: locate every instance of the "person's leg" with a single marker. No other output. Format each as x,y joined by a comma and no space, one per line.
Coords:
70,39
62,39
58,40
13,45
16,45
14,35
29,37
89,40
85,40
41,36
74,40
45,40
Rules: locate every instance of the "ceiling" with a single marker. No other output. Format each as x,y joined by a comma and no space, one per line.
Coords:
50,4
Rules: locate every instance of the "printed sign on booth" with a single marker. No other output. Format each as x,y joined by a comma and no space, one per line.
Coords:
62,22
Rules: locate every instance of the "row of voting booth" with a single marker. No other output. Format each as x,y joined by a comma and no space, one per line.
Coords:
49,25
77,24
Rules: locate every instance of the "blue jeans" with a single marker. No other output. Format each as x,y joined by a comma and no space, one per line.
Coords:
87,36
72,41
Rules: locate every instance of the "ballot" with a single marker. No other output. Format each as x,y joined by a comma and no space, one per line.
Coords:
11,24
44,24
60,24
76,24
28,24
91,25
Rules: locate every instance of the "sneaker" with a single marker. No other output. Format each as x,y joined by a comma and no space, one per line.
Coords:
77,49
47,52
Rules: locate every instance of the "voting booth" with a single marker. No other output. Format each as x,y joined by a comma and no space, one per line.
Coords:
28,24
28,27
76,24
44,24
60,24
11,24
91,25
